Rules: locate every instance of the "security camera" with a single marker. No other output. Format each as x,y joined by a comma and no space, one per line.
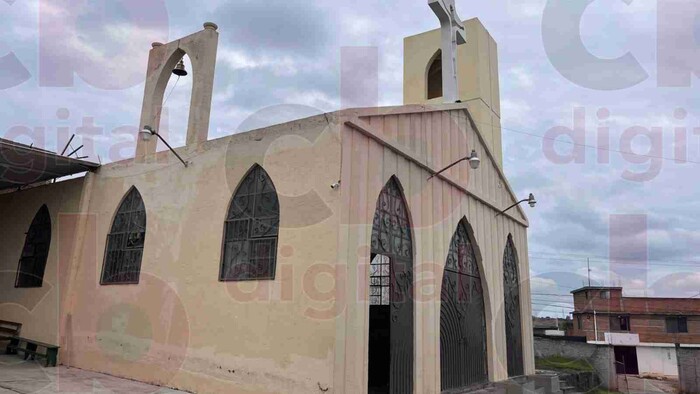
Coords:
335,185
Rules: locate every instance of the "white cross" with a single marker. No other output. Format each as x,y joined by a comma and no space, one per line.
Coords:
453,34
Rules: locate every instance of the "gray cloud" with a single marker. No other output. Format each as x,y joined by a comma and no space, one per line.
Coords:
287,52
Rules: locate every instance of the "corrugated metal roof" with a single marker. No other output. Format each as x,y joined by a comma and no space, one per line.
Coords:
22,165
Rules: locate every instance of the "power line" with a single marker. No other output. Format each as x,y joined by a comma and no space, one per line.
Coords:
628,262
552,306
607,259
586,145
553,295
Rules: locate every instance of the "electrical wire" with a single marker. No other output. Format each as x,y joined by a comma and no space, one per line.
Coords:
171,91
586,145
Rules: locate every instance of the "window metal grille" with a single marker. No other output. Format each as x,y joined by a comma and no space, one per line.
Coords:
122,264
511,284
379,276
251,230
462,316
392,255
32,263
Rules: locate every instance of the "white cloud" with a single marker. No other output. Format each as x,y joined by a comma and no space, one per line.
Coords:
522,77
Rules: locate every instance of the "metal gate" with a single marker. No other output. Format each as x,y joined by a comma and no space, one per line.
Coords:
511,286
462,318
391,237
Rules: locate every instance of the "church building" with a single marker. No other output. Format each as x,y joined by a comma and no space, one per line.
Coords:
324,255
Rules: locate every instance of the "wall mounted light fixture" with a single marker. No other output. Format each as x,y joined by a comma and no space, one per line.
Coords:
146,134
530,200
473,159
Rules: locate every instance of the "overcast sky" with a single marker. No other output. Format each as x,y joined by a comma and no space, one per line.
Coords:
281,59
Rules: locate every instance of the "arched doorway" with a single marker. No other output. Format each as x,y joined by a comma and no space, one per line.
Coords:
511,306
462,316
391,295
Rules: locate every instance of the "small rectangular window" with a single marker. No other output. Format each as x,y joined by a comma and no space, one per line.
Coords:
624,323
619,323
580,323
676,324
605,294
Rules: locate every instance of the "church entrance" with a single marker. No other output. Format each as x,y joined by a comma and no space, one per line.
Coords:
462,317
390,368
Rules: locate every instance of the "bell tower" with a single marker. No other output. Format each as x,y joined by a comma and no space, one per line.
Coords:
477,71
165,60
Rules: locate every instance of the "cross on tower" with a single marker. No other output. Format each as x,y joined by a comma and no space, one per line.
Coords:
453,34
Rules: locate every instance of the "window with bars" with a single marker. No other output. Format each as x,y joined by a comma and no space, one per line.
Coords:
125,241
676,324
379,279
32,262
251,230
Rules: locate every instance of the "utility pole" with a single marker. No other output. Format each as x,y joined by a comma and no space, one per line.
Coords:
588,262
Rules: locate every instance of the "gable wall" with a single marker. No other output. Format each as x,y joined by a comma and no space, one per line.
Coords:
403,145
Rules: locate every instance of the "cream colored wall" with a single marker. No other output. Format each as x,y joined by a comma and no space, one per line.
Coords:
306,331
180,326
478,78
37,308
407,145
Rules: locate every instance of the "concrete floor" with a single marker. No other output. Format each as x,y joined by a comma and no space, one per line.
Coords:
639,385
19,376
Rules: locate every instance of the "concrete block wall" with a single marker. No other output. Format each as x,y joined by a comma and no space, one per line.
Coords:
689,369
601,357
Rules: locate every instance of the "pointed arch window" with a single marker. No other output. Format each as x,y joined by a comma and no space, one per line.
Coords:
511,304
125,241
462,316
32,263
435,76
391,309
251,229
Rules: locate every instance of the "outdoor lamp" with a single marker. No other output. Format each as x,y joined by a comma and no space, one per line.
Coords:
530,200
146,134
474,160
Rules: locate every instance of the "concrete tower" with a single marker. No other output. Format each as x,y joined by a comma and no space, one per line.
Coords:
477,73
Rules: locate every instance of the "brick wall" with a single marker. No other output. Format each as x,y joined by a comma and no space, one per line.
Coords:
647,316
651,328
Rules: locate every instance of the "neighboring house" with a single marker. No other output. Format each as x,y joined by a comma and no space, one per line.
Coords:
548,326
643,330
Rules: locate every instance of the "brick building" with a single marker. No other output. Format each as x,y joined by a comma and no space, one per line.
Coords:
643,330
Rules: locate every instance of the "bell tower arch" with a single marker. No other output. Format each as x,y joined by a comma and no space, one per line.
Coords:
201,48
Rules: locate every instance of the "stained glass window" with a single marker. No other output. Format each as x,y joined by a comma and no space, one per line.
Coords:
32,262
251,229
125,242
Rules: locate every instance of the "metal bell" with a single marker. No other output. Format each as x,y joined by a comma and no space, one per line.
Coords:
180,70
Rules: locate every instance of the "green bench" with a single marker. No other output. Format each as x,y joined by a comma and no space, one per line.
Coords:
31,348
9,329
